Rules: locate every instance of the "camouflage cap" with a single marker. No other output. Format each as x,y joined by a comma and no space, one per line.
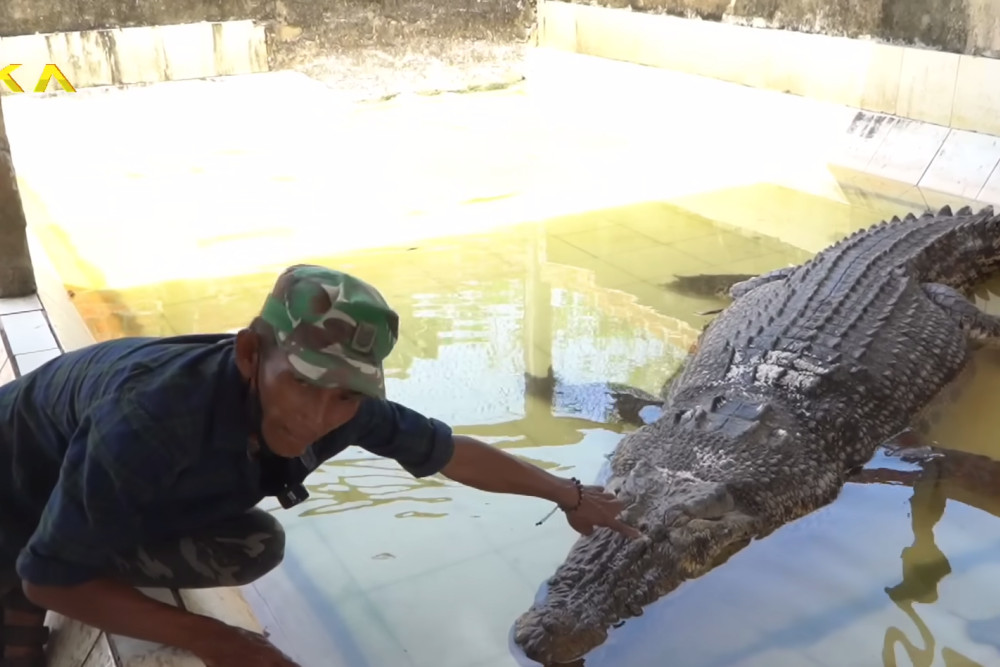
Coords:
334,329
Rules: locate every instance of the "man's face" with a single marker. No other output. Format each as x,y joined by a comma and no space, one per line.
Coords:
295,413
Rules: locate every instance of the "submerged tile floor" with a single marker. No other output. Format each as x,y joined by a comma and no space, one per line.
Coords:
386,570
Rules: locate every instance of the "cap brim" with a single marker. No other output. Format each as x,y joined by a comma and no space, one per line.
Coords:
341,374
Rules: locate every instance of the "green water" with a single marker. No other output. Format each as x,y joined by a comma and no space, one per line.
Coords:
386,570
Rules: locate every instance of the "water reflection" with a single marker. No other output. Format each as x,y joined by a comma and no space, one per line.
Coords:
816,592
943,475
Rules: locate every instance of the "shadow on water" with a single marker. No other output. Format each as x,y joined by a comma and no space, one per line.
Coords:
513,337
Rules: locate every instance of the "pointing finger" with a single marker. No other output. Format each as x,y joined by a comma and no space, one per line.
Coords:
624,528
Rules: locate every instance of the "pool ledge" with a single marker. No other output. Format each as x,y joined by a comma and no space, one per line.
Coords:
56,327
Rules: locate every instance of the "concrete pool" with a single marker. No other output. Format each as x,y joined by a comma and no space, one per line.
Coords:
516,233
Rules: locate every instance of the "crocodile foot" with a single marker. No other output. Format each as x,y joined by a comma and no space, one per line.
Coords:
977,325
628,405
744,287
723,285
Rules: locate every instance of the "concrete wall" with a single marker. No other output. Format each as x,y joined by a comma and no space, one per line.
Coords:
375,47
958,26
381,48
340,23
135,55
25,17
948,89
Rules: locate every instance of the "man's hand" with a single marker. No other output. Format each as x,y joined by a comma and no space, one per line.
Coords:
243,648
120,609
598,508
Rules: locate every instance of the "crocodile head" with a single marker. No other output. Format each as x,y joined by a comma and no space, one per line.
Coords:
690,524
688,528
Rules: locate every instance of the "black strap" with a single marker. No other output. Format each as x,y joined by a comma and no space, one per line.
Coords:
24,635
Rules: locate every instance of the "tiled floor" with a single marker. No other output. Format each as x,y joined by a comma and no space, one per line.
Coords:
27,339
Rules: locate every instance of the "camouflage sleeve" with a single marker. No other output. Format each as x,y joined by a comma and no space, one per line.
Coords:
111,471
421,445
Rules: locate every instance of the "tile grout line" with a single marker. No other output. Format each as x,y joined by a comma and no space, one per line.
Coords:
8,351
954,90
48,323
937,153
994,172
52,330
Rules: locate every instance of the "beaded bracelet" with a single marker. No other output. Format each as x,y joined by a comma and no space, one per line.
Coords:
579,501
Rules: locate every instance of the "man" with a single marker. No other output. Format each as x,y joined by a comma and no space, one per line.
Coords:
140,463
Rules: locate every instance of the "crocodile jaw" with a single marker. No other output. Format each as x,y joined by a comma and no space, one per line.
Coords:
607,577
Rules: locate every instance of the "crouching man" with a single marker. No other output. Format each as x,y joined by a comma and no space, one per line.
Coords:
140,462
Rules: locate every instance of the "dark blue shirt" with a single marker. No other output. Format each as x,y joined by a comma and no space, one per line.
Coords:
136,440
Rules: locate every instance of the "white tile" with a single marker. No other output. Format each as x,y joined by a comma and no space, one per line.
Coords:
419,608
83,58
881,80
361,637
927,85
308,621
907,151
238,45
101,656
963,164
32,360
557,25
977,97
991,191
189,55
28,332
71,641
862,138
7,373
137,55
19,304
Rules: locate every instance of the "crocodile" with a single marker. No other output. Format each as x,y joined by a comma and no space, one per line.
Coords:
791,389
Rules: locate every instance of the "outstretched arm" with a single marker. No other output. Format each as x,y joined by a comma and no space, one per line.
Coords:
488,468
425,446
